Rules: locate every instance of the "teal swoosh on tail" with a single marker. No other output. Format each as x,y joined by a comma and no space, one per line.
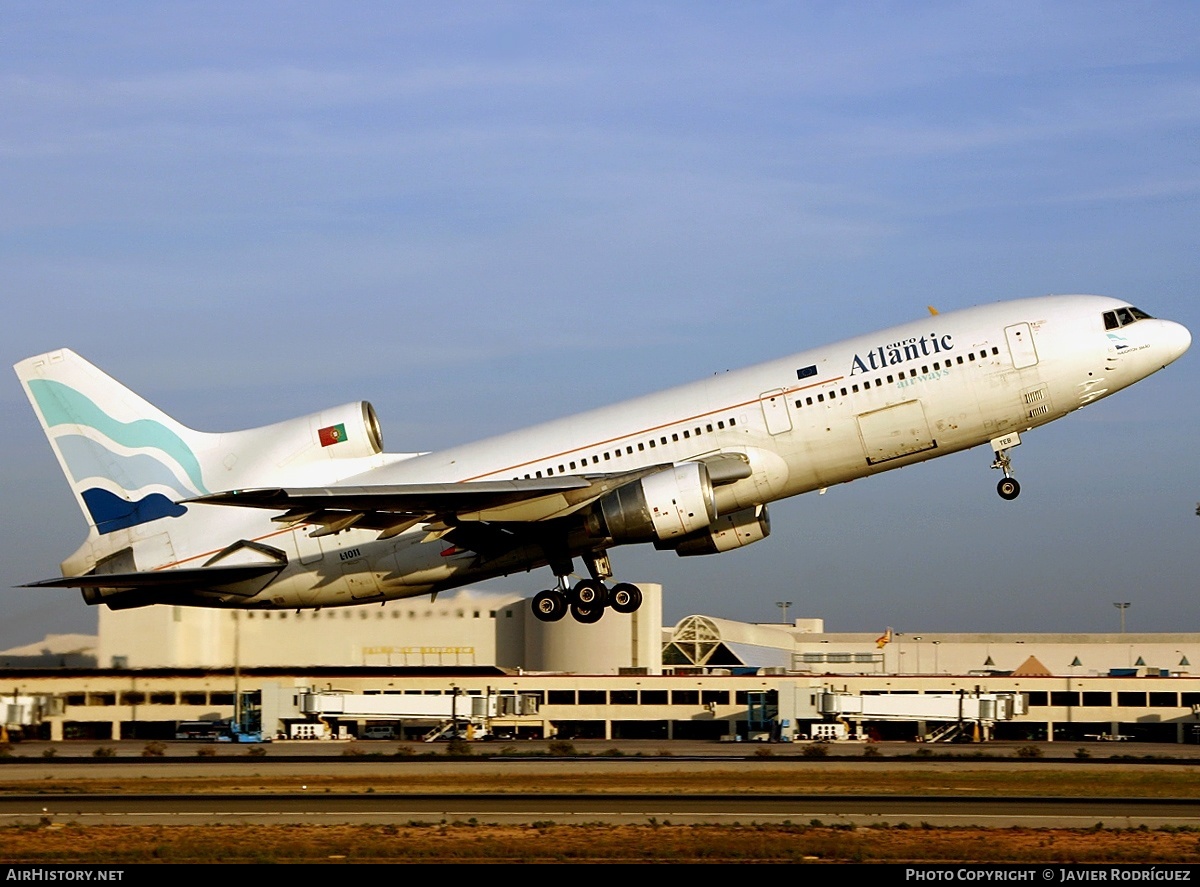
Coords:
63,405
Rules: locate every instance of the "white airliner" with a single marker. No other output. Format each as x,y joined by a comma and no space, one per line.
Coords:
312,513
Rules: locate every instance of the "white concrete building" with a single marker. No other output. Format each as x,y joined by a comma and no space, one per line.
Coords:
464,629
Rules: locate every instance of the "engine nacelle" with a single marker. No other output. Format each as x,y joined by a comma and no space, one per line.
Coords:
304,450
726,533
664,506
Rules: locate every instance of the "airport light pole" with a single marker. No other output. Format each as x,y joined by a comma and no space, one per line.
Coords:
1122,606
783,605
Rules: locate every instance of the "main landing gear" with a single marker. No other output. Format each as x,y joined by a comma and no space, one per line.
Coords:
1008,488
586,601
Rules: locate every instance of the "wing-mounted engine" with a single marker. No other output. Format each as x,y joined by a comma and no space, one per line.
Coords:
726,533
666,505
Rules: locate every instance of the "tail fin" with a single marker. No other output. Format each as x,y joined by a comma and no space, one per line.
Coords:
127,461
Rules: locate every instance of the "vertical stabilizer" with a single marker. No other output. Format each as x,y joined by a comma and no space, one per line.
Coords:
128,462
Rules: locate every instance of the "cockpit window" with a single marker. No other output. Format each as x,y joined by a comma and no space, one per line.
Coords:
1123,317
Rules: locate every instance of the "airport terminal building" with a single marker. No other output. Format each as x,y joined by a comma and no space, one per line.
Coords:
480,664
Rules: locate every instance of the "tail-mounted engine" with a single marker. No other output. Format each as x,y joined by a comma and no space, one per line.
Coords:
292,450
664,506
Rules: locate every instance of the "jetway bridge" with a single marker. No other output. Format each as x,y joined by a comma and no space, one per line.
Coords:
471,716
944,716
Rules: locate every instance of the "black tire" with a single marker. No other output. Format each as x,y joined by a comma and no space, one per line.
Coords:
549,605
589,594
1008,489
586,615
624,597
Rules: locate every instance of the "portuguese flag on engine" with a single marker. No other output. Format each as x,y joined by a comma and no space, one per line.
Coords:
331,435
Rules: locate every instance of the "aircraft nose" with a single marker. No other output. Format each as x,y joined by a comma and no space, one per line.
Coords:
1176,340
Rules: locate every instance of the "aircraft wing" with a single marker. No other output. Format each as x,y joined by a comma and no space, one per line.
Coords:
394,508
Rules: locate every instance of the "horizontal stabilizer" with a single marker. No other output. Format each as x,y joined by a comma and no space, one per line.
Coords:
221,579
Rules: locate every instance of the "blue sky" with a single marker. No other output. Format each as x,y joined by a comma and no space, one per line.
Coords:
483,215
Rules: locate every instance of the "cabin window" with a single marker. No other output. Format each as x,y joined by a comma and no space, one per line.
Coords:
732,422
686,433
720,424
652,443
607,457
708,428
675,437
572,466
820,398
642,447
890,380
809,400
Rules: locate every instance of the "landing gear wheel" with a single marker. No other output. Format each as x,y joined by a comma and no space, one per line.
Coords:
550,605
590,594
1008,489
624,597
586,615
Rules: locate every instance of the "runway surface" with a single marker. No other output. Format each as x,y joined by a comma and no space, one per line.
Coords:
335,809
280,786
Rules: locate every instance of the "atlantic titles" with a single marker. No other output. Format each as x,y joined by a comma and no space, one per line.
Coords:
901,352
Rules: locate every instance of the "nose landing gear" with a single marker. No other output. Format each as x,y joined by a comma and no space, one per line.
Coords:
1008,488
